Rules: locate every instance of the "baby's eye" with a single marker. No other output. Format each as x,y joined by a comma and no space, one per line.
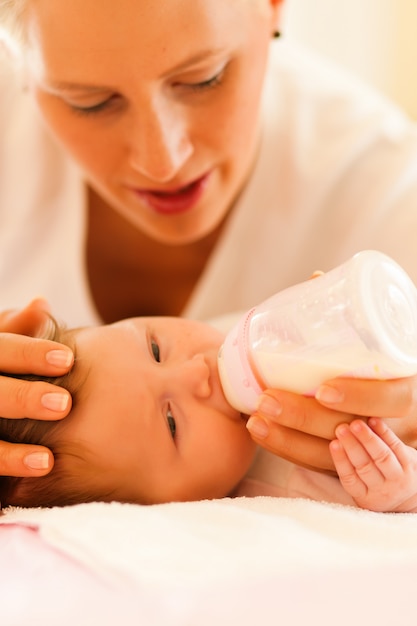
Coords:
155,351
171,423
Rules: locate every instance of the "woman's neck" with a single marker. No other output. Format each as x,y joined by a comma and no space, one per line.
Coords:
130,274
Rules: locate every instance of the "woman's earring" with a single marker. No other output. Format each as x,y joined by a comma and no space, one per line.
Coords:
276,34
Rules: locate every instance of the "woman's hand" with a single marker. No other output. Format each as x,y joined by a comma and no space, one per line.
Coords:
300,428
22,353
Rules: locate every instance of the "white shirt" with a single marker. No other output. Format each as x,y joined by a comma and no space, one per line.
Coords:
336,173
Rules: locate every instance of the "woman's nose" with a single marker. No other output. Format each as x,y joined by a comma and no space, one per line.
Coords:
194,376
160,144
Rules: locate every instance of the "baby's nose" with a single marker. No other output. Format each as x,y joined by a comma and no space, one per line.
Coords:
196,376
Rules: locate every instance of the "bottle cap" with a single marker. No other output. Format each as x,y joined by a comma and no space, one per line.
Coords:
386,311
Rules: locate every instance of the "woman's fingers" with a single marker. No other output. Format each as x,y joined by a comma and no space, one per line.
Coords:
300,413
24,460
34,399
24,354
300,428
20,354
295,446
395,401
28,321
296,428
385,399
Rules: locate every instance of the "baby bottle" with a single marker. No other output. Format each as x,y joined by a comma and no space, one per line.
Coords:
359,320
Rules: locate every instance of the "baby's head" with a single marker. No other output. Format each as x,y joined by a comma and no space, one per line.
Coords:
149,423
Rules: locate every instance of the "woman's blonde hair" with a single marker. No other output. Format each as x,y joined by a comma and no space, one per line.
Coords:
12,31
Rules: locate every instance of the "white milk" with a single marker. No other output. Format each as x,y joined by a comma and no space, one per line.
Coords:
304,374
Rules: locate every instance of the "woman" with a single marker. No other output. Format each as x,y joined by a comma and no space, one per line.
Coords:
179,162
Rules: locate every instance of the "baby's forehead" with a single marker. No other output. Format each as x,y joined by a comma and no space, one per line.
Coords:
93,348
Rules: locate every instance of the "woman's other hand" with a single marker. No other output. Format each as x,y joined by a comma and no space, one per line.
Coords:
21,352
300,428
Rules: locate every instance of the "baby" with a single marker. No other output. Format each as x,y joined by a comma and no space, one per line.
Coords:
150,424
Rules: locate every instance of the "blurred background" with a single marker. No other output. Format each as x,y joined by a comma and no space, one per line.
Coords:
376,39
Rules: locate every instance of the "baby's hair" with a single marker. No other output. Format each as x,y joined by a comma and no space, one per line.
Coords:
69,481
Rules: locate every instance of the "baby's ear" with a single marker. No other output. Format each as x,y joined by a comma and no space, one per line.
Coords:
33,320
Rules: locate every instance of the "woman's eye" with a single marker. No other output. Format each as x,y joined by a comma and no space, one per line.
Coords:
171,423
95,109
155,351
207,84
210,83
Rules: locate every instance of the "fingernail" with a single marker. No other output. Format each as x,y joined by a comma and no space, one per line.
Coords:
257,427
269,407
55,401
329,395
357,426
342,430
60,358
335,445
37,460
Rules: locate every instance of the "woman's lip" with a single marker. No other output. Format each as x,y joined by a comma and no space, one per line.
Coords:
175,201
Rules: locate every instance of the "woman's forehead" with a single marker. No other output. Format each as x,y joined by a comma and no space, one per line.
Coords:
13,13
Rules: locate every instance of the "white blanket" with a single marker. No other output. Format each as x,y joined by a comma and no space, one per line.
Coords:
259,559
195,543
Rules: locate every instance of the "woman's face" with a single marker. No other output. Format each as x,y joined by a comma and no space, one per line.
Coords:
157,101
150,420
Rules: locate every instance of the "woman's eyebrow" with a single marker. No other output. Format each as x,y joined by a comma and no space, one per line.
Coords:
62,85
202,55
